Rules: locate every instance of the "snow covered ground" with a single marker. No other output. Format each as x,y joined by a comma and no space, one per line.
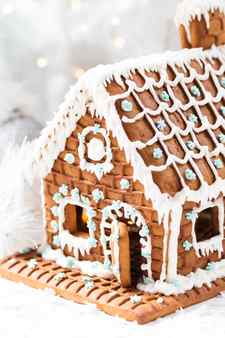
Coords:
29,313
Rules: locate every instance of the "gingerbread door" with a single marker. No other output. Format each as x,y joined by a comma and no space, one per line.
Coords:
128,252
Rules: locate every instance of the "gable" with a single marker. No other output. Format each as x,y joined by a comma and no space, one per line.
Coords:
173,103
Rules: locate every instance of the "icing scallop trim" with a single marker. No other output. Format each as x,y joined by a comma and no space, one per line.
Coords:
189,10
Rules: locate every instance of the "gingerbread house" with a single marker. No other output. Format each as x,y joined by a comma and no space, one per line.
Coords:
133,169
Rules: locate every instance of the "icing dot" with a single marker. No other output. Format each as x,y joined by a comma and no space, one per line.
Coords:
96,128
135,299
221,137
165,96
32,263
218,163
190,175
88,284
195,91
69,158
193,118
124,184
63,189
57,197
157,153
161,124
222,82
127,105
222,109
190,145
187,245
97,195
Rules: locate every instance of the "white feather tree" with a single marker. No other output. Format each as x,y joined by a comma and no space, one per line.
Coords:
21,222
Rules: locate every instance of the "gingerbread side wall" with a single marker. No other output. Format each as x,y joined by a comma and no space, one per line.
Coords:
71,175
200,35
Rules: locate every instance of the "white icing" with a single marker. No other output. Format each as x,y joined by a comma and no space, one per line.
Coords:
95,97
188,10
77,244
96,149
184,283
86,267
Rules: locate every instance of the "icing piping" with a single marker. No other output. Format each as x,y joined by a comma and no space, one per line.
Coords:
101,168
65,238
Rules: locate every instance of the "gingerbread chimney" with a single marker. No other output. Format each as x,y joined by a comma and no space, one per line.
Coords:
201,23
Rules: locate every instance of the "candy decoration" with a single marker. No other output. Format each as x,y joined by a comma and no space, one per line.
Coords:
191,216
32,263
190,145
165,96
187,245
222,82
222,109
124,184
193,118
157,153
161,124
221,137
97,195
69,158
218,163
190,175
135,299
195,91
126,105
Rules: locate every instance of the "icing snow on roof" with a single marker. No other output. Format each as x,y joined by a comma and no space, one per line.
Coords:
174,130
188,10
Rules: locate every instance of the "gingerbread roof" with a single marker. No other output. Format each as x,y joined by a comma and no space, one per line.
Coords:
168,114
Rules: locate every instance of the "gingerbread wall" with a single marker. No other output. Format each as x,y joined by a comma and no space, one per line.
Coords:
73,176
203,37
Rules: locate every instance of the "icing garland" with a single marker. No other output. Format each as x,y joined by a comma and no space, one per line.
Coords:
63,237
110,215
99,169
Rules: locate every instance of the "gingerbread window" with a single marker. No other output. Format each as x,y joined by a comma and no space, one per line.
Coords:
207,224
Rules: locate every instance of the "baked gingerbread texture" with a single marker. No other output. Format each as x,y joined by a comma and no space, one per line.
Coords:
133,180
